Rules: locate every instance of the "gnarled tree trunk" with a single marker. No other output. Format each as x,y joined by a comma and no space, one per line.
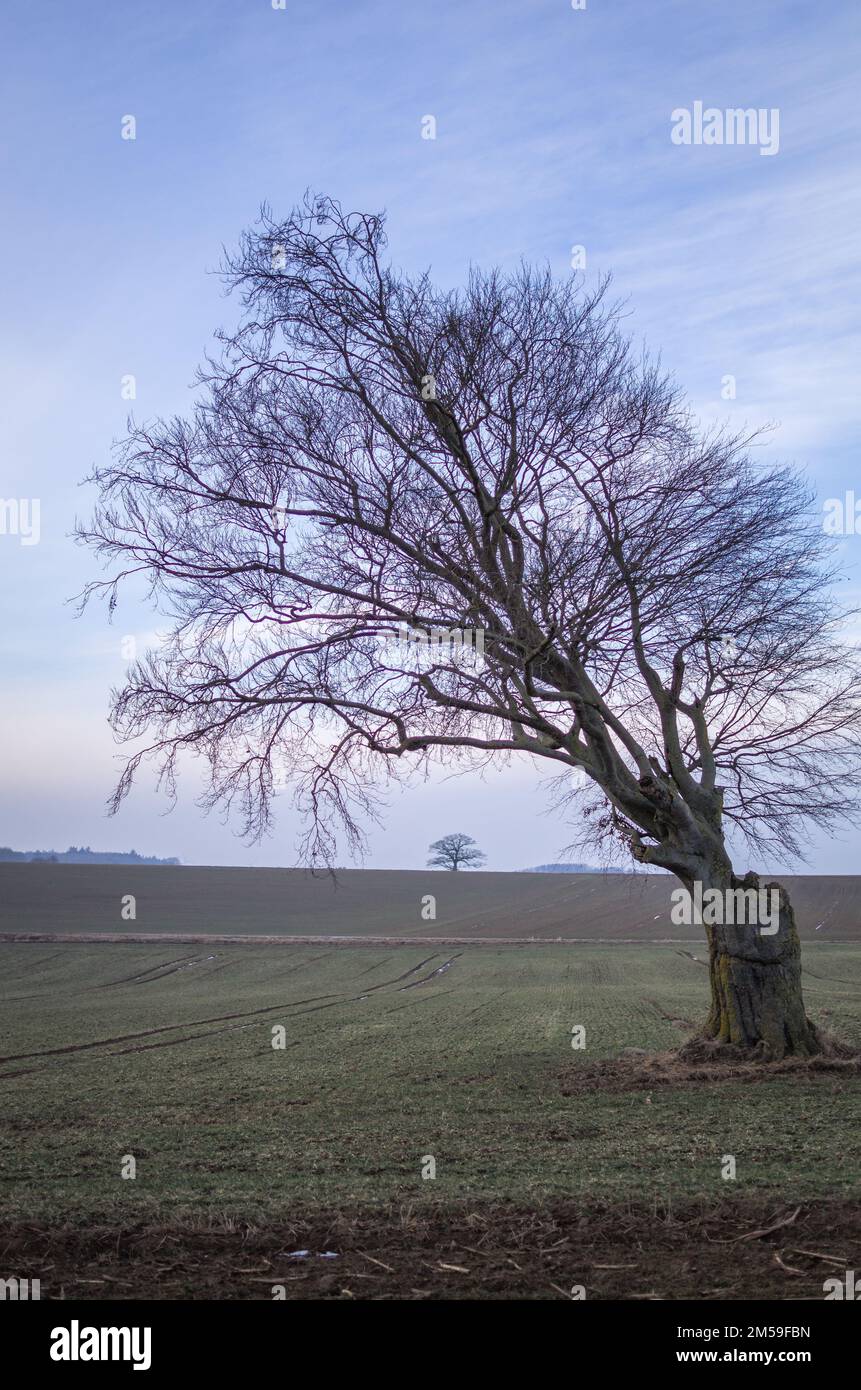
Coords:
755,975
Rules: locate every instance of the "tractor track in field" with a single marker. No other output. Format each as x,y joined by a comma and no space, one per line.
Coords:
149,977
440,970
155,972
248,1020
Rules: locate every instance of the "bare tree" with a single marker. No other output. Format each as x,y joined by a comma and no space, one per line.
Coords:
454,852
373,459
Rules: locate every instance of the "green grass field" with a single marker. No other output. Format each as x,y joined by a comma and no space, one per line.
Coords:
166,1054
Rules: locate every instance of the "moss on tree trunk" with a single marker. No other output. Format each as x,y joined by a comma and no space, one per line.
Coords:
756,997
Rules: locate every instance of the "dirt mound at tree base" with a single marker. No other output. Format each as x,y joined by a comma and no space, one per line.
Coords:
735,1248
696,1063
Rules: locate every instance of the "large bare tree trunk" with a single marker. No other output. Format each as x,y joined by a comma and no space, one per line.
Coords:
756,997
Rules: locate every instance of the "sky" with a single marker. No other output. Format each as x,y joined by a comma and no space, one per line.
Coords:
553,131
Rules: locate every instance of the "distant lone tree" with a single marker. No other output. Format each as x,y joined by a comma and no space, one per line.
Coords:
372,456
455,852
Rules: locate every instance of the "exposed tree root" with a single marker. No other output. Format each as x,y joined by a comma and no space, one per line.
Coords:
717,1053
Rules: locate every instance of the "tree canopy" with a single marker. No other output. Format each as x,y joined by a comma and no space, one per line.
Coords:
369,451
455,851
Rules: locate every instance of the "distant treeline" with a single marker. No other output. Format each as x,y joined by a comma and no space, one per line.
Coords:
569,869
73,855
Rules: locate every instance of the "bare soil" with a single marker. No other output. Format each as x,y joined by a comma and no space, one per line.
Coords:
727,1250
185,939
386,904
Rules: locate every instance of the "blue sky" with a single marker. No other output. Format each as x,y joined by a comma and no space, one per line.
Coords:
552,131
